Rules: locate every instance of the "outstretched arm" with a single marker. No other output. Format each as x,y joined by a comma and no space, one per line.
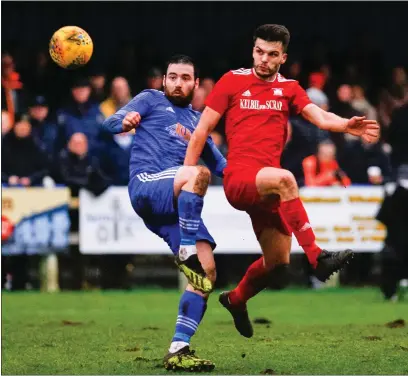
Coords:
368,130
205,126
130,115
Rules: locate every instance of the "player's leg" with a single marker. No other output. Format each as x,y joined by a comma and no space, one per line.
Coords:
192,307
269,270
190,186
269,181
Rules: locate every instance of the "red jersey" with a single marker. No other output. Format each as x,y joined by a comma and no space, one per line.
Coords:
256,115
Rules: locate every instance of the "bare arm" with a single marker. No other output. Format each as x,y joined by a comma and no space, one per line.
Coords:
205,126
368,130
323,119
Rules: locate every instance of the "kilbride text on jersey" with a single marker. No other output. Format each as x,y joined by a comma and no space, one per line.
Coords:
253,104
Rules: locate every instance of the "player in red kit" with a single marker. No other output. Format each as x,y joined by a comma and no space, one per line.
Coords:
257,103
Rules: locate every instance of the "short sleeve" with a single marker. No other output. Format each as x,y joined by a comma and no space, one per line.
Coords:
218,99
299,99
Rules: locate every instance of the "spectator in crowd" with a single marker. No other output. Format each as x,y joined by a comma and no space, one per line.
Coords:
6,124
23,162
11,87
97,80
120,95
394,96
207,84
361,104
199,98
155,79
81,115
398,136
40,76
44,130
303,136
322,169
77,168
342,107
358,159
316,84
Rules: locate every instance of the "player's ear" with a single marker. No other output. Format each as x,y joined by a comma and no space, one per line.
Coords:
164,80
197,83
284,57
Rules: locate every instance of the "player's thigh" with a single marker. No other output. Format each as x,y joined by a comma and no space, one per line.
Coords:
152,195
272,180
275,246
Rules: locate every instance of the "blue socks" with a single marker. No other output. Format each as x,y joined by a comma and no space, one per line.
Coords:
190,206
191,311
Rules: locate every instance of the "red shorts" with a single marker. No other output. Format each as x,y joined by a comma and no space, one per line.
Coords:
241,192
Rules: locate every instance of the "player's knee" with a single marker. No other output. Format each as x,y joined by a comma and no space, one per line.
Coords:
287,184
202,173
201,178
279,277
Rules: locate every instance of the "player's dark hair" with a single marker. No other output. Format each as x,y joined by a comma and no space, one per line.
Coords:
273,33
182,59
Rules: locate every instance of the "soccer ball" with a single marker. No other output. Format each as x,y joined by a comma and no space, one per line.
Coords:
71,47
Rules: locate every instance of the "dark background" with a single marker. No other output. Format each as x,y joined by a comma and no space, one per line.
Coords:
217,34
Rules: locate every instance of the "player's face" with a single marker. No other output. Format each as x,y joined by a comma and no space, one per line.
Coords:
179,84
268,57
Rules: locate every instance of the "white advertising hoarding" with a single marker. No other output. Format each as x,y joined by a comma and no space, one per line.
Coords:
341,218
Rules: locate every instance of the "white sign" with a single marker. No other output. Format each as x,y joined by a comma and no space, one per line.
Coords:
341,218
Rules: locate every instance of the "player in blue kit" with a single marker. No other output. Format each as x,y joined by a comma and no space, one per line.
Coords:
169,196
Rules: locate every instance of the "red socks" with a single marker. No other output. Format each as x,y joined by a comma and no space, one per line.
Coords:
295,215
254,281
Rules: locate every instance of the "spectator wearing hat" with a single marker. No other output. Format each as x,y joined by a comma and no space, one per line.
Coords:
23,162
81,115
44,130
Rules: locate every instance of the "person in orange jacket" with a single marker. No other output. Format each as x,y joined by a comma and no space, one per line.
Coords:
322,169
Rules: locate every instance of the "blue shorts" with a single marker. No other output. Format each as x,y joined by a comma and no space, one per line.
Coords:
152,198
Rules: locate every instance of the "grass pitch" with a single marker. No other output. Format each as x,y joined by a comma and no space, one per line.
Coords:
311,332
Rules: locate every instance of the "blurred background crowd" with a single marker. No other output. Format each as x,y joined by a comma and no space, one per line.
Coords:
51,117
43,130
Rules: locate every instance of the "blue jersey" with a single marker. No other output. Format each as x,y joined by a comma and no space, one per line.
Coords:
162,136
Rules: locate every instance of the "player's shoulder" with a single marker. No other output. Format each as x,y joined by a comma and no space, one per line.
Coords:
286,81
149,94
241,72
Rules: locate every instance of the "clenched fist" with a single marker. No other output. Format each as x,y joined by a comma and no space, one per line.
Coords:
131,121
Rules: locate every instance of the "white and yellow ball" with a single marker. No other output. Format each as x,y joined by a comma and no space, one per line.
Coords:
71,47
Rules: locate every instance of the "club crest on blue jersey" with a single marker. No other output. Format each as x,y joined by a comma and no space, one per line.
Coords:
179,130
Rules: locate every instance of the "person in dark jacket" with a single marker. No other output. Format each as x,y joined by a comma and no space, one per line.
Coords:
398,136
23,162
77,168
44,129
81,115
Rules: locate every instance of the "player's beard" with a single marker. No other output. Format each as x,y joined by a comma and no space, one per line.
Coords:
267,73
180,100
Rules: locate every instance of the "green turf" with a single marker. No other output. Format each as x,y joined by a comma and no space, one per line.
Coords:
323,332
